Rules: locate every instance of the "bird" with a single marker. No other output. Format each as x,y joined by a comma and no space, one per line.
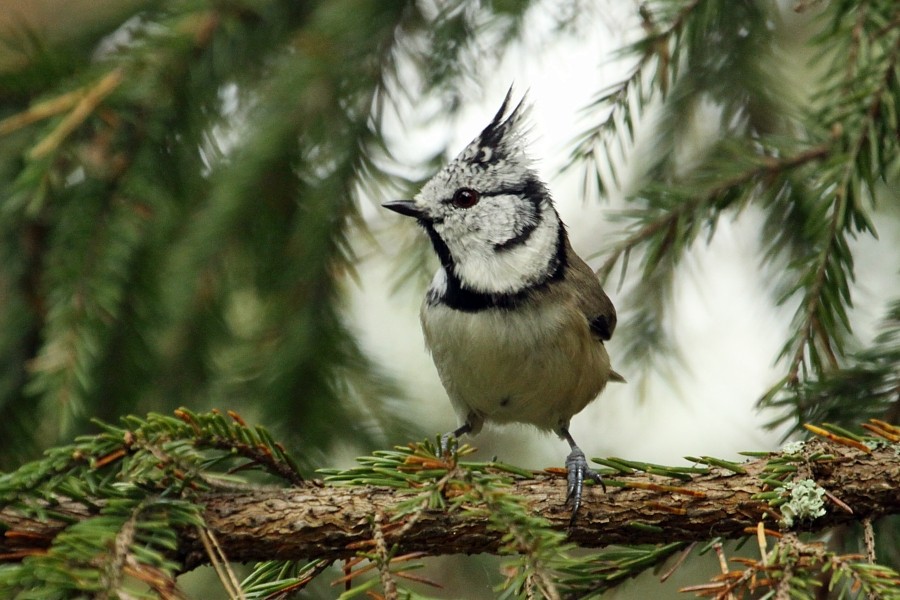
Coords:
515,321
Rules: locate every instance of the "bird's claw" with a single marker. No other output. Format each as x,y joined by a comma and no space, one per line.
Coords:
450,440
447,440
577,471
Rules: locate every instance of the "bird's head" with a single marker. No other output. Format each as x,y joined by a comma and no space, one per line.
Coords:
490,217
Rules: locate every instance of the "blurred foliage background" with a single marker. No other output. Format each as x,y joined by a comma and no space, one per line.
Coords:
182,182
176,209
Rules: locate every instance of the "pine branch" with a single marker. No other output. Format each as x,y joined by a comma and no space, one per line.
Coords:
869,387
627,99
328,522
767,169
675,216
163,495
818,171
818,314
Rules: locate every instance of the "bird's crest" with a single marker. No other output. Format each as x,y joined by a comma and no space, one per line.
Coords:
504,137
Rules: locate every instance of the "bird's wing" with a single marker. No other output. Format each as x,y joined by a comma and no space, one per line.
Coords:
598,309
593,302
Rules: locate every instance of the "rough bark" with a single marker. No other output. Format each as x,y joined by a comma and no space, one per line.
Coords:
319,521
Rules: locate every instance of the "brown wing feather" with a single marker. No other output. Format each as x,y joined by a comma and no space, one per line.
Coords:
598,309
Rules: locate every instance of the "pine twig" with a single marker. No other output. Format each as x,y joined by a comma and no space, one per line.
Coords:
768,168
219,562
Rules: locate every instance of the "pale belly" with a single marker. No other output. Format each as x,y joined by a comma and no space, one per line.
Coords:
513,366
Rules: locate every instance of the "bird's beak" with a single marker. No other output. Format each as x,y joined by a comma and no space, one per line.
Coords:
406,207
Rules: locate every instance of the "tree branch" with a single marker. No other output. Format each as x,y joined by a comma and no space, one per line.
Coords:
313,520
765,170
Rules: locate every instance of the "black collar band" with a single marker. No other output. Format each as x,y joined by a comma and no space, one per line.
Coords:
459,297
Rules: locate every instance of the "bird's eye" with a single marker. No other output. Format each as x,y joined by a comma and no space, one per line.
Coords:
465,198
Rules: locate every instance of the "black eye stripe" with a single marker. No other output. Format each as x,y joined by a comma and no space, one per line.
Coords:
517,191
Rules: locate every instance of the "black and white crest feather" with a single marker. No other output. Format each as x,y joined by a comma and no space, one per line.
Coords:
504,138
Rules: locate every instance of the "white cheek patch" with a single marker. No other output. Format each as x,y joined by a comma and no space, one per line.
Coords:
494,221
482,267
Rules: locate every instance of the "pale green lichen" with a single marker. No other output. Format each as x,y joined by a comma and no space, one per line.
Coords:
806,501
876,444
794,447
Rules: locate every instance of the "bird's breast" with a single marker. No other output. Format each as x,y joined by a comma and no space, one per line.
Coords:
532,364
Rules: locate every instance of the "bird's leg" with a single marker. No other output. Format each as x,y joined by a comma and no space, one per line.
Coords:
456,433
577,470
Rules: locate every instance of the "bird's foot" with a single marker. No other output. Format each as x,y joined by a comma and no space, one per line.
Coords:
577,471
449,440
446,440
